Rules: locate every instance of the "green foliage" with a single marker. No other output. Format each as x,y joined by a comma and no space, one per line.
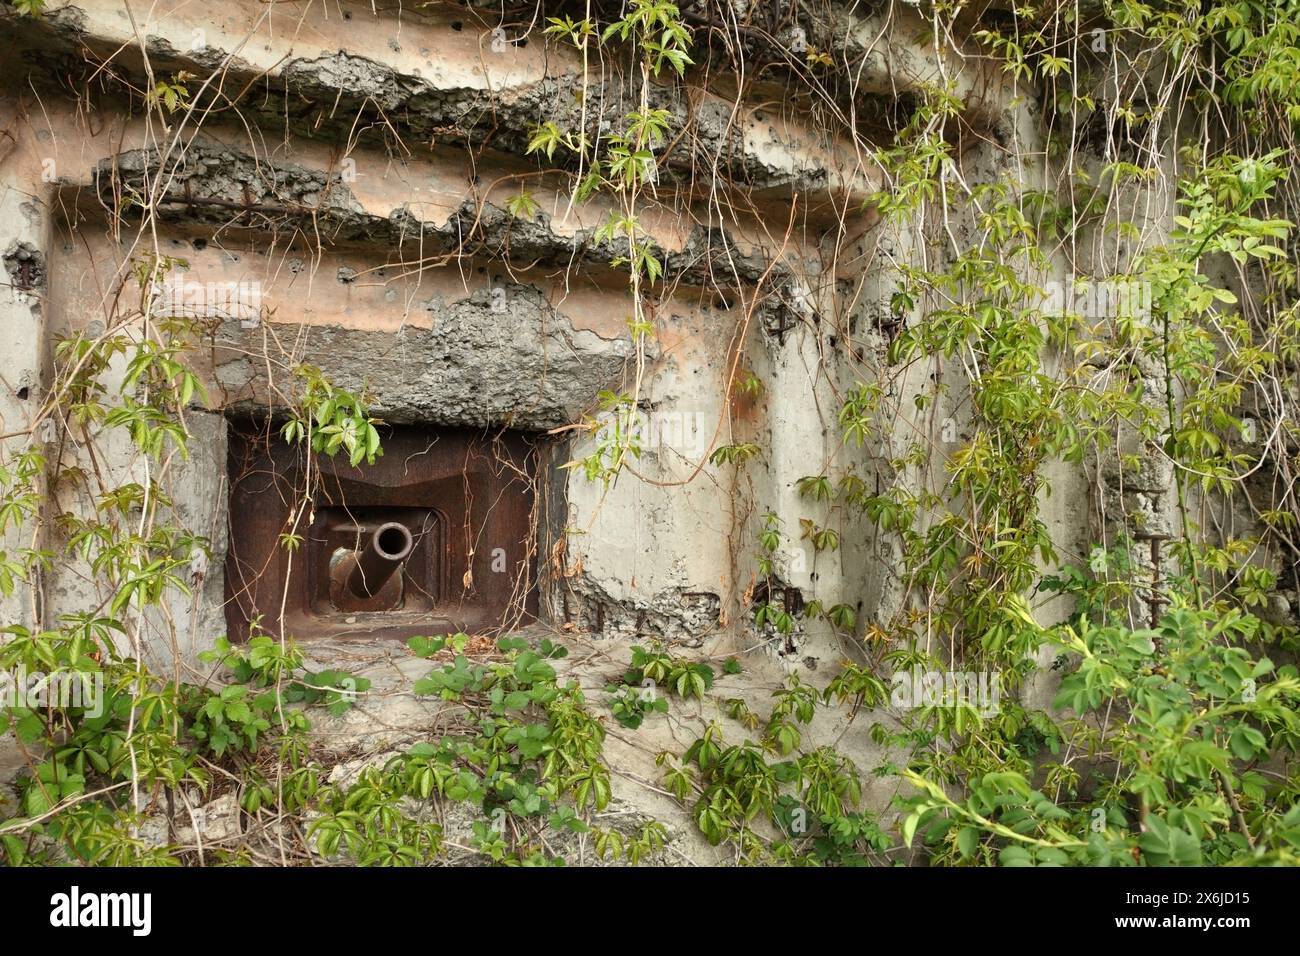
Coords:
522,205
575,31
808,799
650,838
535,740
653,668
1151,752
655,26
684,678
775,615
367,821
262,661
231,718
1173,784
738,454
329,419
617,436
171,95
657,37
631,706
111,742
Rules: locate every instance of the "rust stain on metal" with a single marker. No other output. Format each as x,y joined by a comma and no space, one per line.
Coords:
367,562
387,546
1155,597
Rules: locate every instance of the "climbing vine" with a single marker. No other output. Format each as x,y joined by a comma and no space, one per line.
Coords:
1089,259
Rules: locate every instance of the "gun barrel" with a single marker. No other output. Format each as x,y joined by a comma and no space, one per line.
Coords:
383,554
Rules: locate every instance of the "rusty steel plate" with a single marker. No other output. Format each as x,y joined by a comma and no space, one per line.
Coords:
465,497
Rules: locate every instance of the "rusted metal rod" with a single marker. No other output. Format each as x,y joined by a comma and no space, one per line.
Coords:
379,557
1156,598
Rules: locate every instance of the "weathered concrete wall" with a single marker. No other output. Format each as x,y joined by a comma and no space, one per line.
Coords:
402,273
354,189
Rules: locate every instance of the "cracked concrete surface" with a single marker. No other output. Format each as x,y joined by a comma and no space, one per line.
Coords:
362,196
